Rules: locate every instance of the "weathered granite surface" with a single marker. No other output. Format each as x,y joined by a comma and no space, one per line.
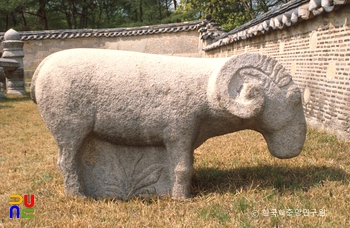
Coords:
127,123
6,65
13,51
2,82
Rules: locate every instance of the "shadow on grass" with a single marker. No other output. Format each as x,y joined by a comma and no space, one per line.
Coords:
210,180
3,106
10,98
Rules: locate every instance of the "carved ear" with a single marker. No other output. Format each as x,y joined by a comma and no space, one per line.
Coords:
247,102
238,87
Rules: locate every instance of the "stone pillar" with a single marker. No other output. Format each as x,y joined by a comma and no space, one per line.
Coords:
2,81
13,49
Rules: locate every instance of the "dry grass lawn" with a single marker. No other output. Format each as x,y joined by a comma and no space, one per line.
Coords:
237,183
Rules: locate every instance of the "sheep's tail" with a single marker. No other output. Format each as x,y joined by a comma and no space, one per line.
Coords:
32,86
35,76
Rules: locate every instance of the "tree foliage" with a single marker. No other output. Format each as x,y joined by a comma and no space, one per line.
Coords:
76,14
228,13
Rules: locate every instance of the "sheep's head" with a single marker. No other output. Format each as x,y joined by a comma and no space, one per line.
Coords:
259,92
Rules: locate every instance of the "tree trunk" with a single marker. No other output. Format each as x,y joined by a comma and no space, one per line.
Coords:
83,17
24,19
141,11
73,11
100,12
7,23
167,8
69,21
41,14
14,21
160,10
248,8
65,9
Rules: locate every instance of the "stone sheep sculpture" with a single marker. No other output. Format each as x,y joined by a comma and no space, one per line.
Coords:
127,123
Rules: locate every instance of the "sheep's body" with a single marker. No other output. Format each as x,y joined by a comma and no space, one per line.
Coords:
133,99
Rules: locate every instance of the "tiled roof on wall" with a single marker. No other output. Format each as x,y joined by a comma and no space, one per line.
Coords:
284,16
117,32
210,29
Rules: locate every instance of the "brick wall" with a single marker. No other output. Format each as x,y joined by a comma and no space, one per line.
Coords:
317,53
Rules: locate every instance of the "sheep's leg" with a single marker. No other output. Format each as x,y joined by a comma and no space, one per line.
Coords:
70,163
180,156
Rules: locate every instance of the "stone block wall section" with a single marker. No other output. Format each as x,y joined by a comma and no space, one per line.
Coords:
184,44
179,39
317,53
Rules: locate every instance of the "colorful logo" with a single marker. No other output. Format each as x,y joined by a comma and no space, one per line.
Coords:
28,206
